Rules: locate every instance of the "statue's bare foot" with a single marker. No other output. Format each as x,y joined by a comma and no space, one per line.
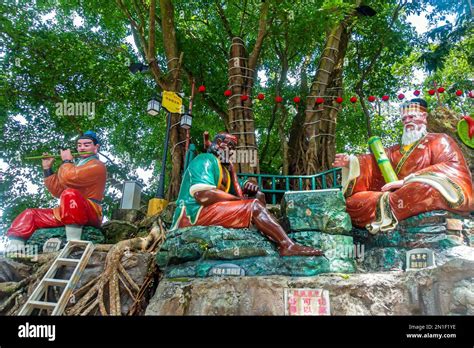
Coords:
299,250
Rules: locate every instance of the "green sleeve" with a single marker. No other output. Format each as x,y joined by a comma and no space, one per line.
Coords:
204,170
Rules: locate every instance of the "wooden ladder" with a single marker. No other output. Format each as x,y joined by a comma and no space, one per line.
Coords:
67,285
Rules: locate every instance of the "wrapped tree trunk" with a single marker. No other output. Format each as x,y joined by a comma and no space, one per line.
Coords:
241,120
316,144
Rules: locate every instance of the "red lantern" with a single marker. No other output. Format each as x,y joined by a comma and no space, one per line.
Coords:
297,99
278,99
459,93
319,100
431,92
471,94
353,99
227,92
202,89
339,100
401,96
371,98
441,90
260,96
244,97
385,97
416,93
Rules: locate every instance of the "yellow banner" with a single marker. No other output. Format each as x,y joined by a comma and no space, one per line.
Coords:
172,102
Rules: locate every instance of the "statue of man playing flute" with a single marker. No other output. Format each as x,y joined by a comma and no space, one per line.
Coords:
432,173
79,185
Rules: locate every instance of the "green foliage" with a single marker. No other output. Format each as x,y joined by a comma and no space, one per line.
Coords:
47,56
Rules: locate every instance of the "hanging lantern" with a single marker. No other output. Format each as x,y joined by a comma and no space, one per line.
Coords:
371,98
353,99
186,121
339,100
416,93
431,92
244,97
227,92
471,94
459,93
297,99
278,99
154,106
319,100
441,90
401,96
385,97
202,89
260,96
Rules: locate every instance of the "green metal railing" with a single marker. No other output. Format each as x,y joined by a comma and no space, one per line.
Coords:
276,185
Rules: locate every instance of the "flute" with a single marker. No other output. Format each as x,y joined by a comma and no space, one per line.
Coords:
76,154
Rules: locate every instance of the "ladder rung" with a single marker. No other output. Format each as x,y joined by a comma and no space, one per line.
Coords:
55,282
79,242
42,304
69,262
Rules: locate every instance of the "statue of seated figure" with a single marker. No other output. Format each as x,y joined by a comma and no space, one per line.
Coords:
210,194
79,185
432,173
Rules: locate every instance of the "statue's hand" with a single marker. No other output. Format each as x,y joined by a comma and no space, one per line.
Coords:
66,155
251,188
47,162
392,186
341,160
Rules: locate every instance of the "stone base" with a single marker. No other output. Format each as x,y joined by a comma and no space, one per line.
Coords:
321,210
193,251
386,250
445,290
117,230
40,236
132,216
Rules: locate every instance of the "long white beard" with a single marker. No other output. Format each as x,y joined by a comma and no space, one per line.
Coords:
410,136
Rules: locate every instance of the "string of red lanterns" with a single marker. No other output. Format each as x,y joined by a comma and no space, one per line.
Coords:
339,100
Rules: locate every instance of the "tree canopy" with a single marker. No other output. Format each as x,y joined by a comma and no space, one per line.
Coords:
58,51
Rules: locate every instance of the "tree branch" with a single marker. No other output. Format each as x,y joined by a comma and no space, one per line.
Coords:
262,32
242,19
169,37
210,101
224,20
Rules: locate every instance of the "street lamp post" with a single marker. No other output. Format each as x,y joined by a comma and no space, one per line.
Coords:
171,103
161,185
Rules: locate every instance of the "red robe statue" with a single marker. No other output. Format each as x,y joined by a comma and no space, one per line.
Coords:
435,177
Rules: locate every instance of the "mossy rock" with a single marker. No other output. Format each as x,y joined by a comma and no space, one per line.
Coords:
193,251
40,236
322,210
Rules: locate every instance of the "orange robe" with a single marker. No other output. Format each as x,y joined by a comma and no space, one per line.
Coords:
435,174
77,187
89,179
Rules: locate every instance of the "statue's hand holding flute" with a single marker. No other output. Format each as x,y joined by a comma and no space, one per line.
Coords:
47,162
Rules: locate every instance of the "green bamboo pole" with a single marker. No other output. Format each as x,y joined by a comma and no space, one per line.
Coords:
75,154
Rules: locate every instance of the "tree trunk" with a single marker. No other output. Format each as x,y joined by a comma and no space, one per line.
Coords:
242,74
168,81
241,121
317,142
177,134
296,131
